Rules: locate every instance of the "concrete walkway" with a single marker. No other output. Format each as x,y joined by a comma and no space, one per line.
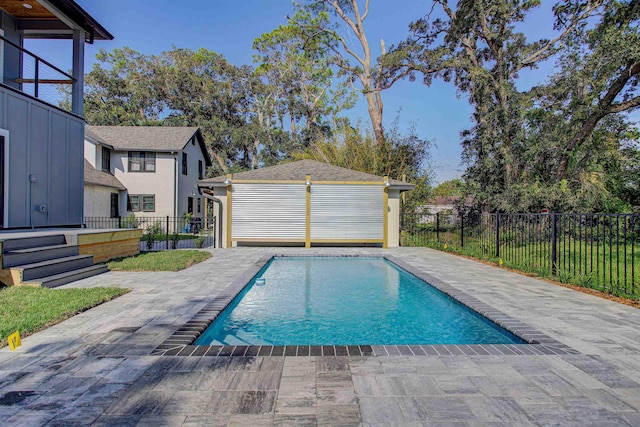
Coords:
96,368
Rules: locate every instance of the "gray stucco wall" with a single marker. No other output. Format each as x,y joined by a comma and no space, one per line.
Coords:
47,143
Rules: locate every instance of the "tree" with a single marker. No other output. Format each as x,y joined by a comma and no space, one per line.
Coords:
182,87
119,90
600,74
477,46
300,76
452,187
408,156
327,23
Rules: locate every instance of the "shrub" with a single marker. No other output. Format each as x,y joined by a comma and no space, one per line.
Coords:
130,222
199,242
175,237
151,233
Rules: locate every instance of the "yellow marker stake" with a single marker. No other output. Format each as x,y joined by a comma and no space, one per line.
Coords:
14,340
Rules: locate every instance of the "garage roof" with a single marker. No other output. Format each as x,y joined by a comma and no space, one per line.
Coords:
297,171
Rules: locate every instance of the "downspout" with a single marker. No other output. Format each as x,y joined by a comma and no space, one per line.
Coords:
219,203
175,188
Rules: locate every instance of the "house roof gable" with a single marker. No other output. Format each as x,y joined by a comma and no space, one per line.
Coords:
146,138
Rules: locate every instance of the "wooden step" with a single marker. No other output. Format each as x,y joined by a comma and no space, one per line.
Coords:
30,272
35,255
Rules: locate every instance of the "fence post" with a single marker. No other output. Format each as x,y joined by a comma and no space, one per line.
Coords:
497,235
553,243
167,240
437,227
119,221
461,230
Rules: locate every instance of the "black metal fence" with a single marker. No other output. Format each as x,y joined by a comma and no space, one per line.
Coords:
162,233
591,250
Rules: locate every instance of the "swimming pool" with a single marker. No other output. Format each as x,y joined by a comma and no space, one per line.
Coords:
346,301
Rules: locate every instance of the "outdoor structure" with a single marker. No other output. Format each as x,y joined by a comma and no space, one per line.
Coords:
307,203
158,168
41,167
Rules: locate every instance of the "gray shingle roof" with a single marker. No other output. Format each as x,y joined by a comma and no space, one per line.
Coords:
156,138
146,138
297,171
96,177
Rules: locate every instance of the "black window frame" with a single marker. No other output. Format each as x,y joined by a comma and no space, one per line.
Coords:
200,170
106,159
199,205
185,164
144,158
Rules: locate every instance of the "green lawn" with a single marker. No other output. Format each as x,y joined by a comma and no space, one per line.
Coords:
159,261
30,309
606,267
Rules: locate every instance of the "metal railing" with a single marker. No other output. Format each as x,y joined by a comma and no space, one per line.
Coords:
34,76
595,251
162,233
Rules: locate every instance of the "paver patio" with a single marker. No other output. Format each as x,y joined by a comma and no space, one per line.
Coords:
96,368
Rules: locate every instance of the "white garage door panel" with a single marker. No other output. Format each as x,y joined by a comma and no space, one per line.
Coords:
347,212
268,211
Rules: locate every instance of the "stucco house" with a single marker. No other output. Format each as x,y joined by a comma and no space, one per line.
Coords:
41,167
158,168
307,203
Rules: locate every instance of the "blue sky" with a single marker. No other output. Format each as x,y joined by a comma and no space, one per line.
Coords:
230,26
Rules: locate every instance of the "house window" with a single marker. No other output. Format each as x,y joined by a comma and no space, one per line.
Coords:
199,206
184,163
106,159
200,170
141,203
190,205
142,161
149,203
133,203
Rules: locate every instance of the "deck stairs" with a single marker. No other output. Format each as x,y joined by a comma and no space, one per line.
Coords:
46,261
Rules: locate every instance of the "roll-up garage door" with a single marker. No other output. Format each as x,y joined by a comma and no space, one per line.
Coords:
269,212
347,212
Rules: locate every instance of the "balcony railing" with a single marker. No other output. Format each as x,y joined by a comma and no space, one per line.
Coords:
34,76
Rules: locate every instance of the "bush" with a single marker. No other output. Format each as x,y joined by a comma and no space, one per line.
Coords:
200,240
175,237
150,234
130,222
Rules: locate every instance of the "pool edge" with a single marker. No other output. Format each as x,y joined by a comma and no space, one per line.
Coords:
181,342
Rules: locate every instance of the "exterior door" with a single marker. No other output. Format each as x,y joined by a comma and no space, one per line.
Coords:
115,208
190,205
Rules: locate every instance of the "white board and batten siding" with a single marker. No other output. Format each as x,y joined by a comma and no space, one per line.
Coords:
269,212
347,212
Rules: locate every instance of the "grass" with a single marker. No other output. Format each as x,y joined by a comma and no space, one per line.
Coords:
31,309
159,261
612,269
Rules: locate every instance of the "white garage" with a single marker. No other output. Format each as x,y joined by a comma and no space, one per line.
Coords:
307,203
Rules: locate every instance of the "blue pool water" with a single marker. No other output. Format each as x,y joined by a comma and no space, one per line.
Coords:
346,301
